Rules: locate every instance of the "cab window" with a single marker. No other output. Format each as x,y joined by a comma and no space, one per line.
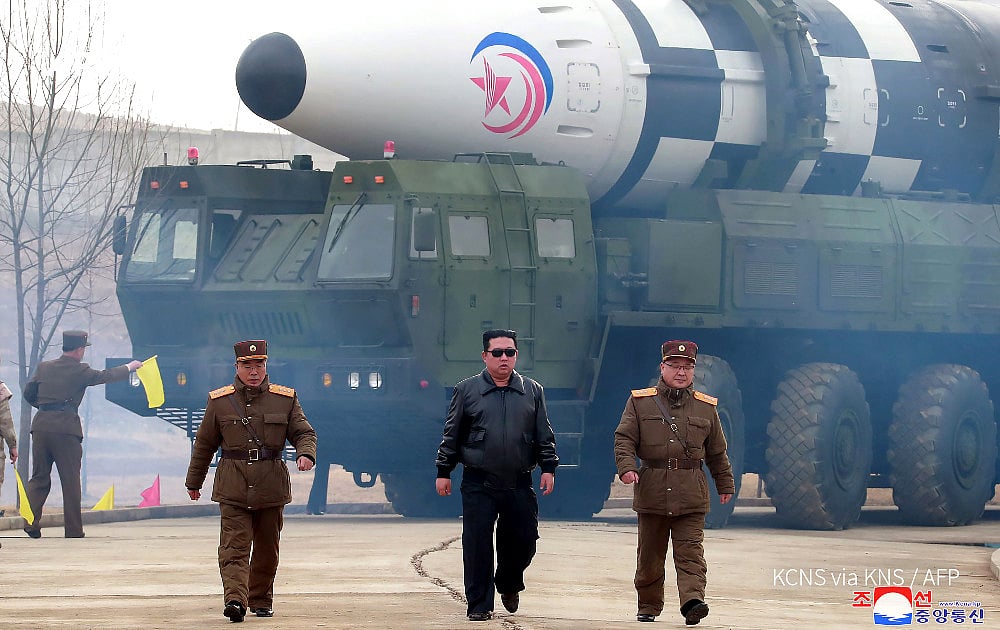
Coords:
166,246
359,243
469,235
555,238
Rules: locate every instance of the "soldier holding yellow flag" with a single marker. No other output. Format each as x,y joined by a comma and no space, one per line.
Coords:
56,390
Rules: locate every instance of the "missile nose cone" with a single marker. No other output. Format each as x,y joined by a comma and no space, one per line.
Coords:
271,76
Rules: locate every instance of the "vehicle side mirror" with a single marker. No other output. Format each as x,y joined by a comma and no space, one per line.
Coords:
424,225
118,230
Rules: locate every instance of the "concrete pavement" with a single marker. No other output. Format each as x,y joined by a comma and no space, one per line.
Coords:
382,571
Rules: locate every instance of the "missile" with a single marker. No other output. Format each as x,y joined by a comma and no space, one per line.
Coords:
648,96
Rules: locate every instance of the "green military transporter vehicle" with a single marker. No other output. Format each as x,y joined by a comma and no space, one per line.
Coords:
851,341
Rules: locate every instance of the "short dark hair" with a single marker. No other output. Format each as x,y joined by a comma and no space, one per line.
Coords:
496,333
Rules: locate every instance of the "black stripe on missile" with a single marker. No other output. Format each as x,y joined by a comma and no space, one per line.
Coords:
903,121
930,111
726,29
835,35
736,156
682,94
836,174
682,99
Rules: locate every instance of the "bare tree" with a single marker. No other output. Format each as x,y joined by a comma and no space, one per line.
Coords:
71,150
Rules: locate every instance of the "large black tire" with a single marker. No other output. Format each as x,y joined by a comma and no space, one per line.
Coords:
942,446
819,447
413,495
714,377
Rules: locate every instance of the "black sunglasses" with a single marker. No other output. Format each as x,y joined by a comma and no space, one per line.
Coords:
500,352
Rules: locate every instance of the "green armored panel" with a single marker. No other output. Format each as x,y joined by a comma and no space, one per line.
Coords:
823,256
613,258
857,254
772,251
270,249
949,258
565,286
476,281
685,264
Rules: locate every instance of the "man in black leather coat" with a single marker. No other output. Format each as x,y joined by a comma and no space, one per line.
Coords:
498,428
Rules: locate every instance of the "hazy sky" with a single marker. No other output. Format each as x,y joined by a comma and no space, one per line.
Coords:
182,56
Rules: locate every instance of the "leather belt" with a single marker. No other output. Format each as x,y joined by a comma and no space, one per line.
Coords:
252,454
673,463
60,406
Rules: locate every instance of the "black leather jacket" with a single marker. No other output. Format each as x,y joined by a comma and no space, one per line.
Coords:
502,431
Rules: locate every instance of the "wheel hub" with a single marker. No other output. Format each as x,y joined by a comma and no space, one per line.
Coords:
965,450
845,450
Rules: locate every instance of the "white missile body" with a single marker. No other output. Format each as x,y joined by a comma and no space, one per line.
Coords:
643,95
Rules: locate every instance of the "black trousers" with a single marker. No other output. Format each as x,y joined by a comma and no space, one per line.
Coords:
514,512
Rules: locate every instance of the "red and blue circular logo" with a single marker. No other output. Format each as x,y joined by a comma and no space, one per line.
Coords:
509,108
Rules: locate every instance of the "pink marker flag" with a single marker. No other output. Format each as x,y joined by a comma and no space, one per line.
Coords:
151,495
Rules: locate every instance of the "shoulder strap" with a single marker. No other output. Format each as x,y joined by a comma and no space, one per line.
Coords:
712,400
222,391
642,393
673,426
245,420
281,390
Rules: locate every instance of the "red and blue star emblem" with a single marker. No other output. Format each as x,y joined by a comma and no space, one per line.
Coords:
510,109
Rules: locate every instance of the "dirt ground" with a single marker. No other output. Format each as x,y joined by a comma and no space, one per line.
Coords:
342,489
384,571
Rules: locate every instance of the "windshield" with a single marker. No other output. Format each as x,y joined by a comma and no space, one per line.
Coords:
165,247
359,243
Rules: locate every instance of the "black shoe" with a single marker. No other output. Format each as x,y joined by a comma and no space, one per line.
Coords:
510,601
645,617
80,535
34,533
480,616
235,611
694,610
262,611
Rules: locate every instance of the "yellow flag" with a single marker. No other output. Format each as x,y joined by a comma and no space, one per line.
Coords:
26,512
107,502
149,376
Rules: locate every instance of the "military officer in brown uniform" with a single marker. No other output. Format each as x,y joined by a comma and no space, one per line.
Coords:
672,428
56,389
250,420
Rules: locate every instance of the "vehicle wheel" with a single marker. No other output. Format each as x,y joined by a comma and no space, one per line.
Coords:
942,446
714,377
413,495
819,447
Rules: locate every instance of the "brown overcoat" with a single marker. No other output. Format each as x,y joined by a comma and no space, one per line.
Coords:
276,416
65,380
644,433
